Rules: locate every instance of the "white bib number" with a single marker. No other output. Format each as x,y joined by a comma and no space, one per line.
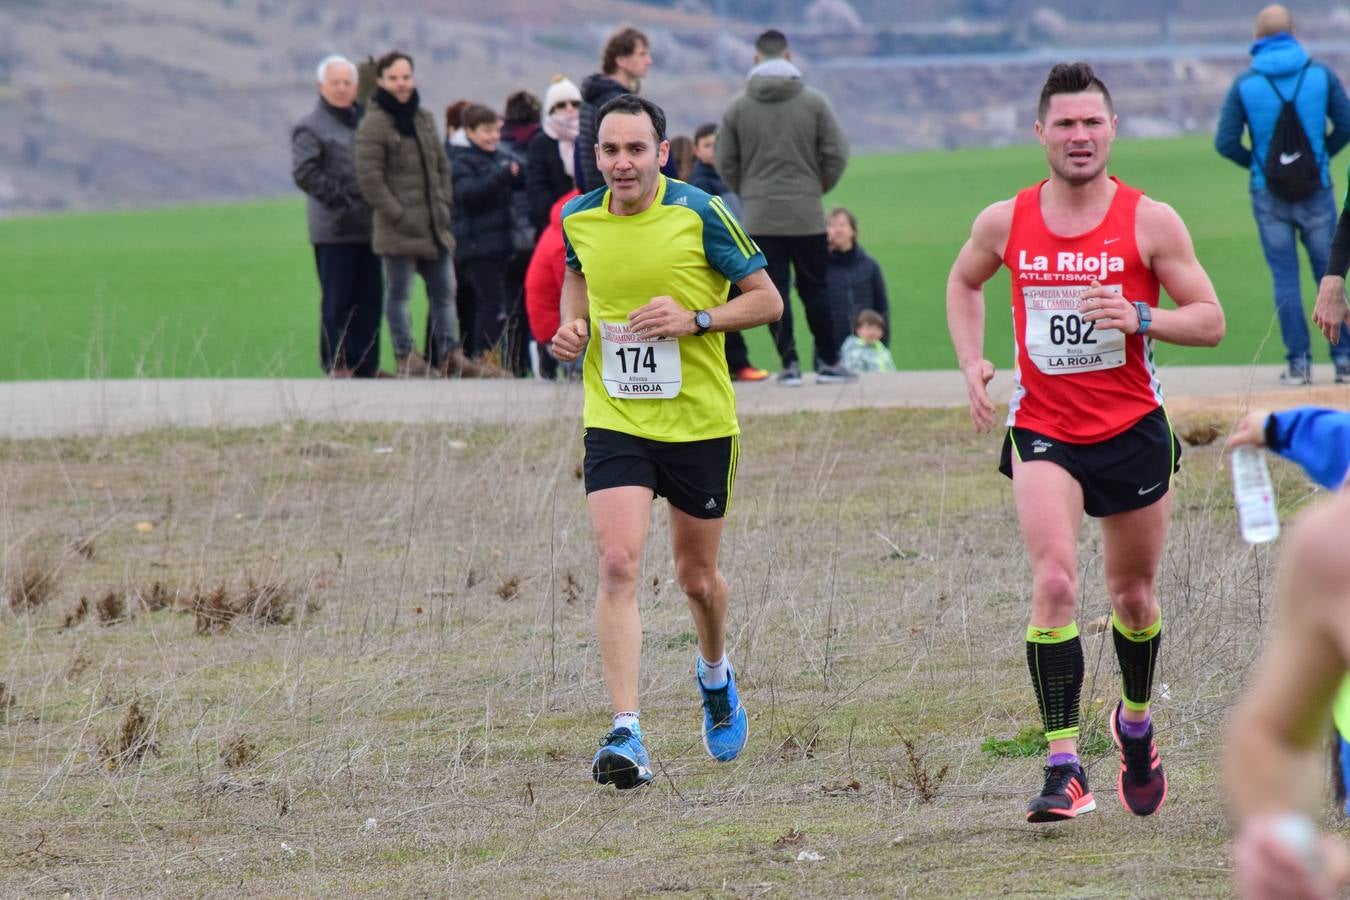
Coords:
636,368
1058,339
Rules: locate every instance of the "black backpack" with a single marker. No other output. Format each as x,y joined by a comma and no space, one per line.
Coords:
1291,168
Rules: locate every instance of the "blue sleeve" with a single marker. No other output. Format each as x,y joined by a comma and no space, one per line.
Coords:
1338,111
726,245
1316,438
571,259
1228,136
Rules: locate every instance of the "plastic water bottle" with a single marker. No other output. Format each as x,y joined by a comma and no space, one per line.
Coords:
1297,832
1254,495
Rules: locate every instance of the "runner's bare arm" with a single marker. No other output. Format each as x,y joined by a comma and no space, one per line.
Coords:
1165,246
758,304
1273,765
570,340
977,261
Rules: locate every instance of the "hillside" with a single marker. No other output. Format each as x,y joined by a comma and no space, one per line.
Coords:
145,102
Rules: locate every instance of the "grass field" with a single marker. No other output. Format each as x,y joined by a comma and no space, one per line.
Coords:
410,704
231,290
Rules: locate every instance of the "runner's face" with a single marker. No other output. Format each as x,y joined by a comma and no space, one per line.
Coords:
1077,134
630,158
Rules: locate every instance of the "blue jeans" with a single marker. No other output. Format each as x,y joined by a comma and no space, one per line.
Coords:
439,276
1281,224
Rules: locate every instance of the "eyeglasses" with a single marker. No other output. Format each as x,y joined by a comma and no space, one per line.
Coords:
574,104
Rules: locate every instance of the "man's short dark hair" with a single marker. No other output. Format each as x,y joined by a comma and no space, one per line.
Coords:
389,59
477,115
522,106
704,130
633,105
623,42
1072,78
772,44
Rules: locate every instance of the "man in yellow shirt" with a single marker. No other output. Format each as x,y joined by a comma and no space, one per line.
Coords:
649,264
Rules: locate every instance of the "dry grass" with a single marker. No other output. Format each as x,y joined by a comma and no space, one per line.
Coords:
405,730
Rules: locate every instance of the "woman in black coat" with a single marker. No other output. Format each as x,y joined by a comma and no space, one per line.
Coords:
548,168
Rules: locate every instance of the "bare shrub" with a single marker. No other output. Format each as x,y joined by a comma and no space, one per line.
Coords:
155,597
508,588
131,741
241,751
918,776
77,613
111,608
267,603
213,611
31,583
571,588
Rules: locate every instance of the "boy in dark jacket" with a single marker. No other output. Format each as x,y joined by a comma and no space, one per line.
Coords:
484,178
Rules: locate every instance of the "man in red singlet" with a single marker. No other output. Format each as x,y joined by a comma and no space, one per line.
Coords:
1086,427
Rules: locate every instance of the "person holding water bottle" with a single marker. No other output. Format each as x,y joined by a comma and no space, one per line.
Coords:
1271,765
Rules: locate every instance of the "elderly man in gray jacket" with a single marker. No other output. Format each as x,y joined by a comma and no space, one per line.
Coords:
781,148
323,164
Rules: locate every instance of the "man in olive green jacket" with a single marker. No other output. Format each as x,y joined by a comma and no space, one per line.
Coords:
404,174
781,148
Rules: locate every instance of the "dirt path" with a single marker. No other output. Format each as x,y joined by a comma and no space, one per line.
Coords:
55,408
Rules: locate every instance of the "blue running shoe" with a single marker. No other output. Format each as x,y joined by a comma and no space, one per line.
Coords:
725,724
621,761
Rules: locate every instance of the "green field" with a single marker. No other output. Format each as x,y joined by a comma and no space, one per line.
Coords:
231,291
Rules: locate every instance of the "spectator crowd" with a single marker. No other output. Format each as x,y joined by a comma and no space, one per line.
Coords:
473,210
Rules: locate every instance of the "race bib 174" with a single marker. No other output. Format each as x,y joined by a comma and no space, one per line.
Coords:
633,367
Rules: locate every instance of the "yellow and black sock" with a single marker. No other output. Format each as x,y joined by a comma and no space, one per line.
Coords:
1137,652
1055,658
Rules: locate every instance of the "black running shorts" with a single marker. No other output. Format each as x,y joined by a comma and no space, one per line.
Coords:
1129,471
695,476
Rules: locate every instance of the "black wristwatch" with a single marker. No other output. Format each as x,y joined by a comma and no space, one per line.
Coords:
702,321
1145,315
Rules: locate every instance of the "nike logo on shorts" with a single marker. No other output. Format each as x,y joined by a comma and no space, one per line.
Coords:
1143,491
1287,158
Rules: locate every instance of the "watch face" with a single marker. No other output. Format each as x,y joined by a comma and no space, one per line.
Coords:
703,318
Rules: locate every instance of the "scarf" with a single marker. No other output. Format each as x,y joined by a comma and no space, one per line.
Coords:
403,114
348,115
564,127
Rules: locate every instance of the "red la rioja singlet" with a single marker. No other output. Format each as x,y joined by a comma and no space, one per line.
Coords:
1073,381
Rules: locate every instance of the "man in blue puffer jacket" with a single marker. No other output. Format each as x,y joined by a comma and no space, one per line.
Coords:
1253,103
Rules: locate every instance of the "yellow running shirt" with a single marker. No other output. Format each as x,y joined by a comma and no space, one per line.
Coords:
686,245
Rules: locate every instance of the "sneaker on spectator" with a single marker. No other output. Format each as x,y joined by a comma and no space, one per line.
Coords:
791,376
1295,377
835,374
750,373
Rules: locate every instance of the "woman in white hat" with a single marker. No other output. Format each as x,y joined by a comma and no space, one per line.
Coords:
548,170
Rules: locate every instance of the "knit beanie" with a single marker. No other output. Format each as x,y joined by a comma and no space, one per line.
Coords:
561,89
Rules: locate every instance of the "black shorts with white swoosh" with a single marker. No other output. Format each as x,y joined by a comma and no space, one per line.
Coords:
1129,471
